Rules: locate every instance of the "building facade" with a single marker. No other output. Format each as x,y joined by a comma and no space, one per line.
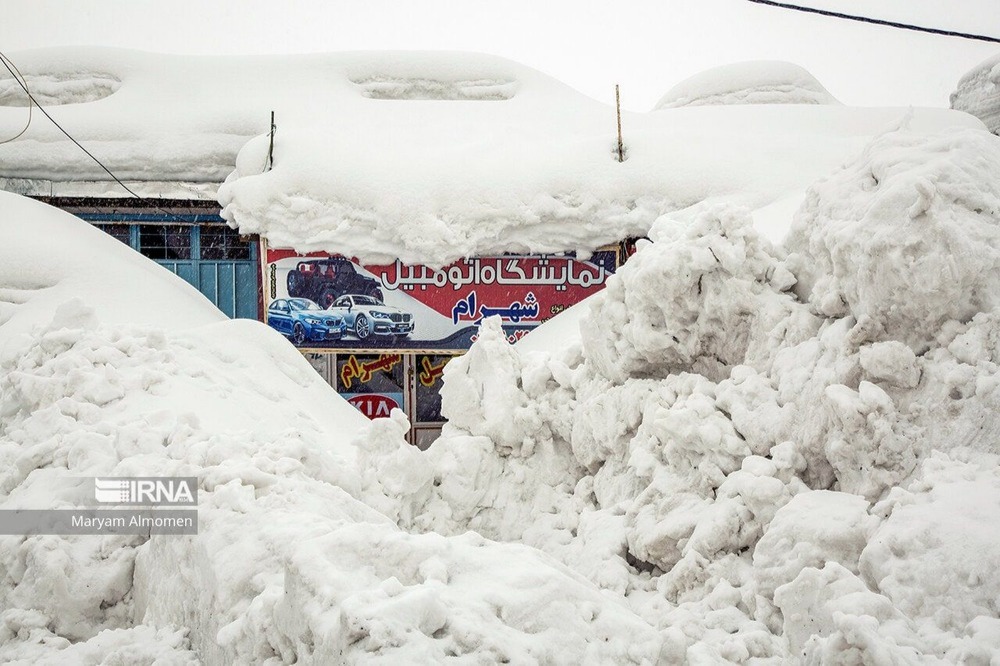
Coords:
380,335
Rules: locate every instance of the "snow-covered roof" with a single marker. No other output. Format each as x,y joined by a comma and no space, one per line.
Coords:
978,93
169,119
425,157
147,117
754,82
431,182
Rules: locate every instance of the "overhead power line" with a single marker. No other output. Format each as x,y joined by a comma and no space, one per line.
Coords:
8,63
874,21
24,84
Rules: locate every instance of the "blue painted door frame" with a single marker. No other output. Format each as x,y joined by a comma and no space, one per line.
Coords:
231,284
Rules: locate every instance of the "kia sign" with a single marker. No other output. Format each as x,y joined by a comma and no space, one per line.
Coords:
375,405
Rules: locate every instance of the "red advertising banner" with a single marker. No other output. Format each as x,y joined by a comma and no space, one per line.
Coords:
332,302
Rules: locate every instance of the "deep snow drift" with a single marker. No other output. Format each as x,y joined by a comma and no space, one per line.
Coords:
109,365
769,452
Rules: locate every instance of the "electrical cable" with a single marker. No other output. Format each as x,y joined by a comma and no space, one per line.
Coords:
865,19
24,84
7,62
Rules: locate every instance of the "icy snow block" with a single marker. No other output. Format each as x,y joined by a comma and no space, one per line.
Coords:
905,238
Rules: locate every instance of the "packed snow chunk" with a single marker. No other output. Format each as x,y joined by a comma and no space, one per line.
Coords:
607,417
937,553
754,82
59,88
869,444
26,641
82,586
483,393
692,301
978,93
891,362
812,529
830,616
759,413
906,238
960,387
395,476
683,451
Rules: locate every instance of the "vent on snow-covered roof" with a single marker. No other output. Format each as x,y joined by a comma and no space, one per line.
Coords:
57,89
483,90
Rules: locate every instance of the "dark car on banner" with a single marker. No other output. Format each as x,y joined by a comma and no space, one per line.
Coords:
302,320
366,316
324,280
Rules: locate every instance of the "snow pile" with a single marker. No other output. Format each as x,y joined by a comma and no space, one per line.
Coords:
718,293
763,450
289,565
45,262
978,93
755,82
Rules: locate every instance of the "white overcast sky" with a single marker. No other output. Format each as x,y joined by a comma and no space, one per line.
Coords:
647,46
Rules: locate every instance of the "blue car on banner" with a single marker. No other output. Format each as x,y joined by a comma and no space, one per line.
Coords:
303,320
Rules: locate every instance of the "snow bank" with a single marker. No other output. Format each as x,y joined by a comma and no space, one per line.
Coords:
719,292
46,260
756,82
760,476
289,564
978,93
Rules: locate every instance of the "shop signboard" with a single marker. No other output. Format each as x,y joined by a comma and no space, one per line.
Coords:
322,301
373,383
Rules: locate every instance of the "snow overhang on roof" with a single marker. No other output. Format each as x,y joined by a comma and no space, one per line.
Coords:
536,171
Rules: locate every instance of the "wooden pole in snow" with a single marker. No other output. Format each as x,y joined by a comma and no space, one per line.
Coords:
618,108
270,148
